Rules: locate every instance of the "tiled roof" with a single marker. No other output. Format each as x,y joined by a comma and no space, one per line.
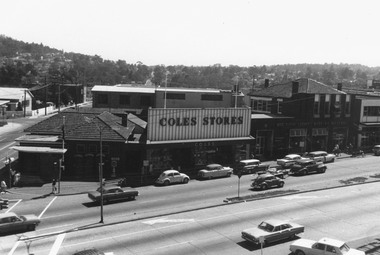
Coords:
84,126
306,86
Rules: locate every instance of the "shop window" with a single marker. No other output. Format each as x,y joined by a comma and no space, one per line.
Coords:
124,100
102,98
210,97
327,105
316,105
319,132
261,105
337,106
347,107
81,148
177,96
279,106
373,111
297,132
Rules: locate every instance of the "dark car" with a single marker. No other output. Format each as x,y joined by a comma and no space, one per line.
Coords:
307,166
265,181
113,193
12,223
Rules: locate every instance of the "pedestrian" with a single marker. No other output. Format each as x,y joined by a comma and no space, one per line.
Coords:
16,179
3,187
54,186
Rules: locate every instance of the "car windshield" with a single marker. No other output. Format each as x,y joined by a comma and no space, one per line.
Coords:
162,175
288,158
265,226
344,248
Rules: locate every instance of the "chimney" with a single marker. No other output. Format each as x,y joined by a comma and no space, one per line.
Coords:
124,120
266,83
295,87
340,86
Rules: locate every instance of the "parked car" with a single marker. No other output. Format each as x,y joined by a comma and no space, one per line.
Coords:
307,166
376,150
113,193
289,160
214,171
271,231
265,181
12,223
172,176
247,166
323,246
321,156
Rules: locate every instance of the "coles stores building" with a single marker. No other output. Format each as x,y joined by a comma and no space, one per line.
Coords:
188,139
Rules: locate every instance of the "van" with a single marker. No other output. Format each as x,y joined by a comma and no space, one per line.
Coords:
247,166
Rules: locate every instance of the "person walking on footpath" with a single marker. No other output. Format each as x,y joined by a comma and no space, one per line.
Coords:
3,187
54,186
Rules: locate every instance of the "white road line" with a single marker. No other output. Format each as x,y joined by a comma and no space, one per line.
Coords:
55,216
6,146
57,244
13,205
14,248
47,207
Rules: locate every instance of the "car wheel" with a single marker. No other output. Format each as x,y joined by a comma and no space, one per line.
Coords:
186,180
281,184
303,172
210,177
298,252
264,187
166,183
31,227
322,170
229,175
332,161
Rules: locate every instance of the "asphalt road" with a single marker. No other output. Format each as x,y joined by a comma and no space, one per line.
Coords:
67,213
348,213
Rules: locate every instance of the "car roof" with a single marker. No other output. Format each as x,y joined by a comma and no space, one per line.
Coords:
292,155
275,222
8,214
249,160
213,165
330,241
317,152
262,176
111,187
170,171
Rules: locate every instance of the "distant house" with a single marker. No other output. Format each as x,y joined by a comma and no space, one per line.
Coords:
16,99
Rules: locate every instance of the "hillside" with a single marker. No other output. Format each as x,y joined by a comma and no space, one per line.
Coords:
25,64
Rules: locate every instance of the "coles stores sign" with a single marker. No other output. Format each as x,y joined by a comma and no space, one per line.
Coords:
180,124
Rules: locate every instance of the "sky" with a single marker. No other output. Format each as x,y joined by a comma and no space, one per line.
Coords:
202,32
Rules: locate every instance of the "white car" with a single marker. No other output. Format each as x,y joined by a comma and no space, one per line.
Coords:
172,176
325,246
289,160
321,156
215,171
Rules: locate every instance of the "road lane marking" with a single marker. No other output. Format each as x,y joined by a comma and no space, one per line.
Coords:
57,244
14,248
47,207
299,196
165,220
6,146
13,205
55,216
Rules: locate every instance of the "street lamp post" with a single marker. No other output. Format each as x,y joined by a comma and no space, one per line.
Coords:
100,166
101,175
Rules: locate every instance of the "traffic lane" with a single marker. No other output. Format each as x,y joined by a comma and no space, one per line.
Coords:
341,215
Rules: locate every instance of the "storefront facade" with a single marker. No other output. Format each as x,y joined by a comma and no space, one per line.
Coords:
189,139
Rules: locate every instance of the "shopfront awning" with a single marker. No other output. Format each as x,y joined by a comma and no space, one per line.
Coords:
234,139
32,149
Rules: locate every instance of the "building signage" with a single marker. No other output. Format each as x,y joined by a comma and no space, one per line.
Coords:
192,121
184,124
